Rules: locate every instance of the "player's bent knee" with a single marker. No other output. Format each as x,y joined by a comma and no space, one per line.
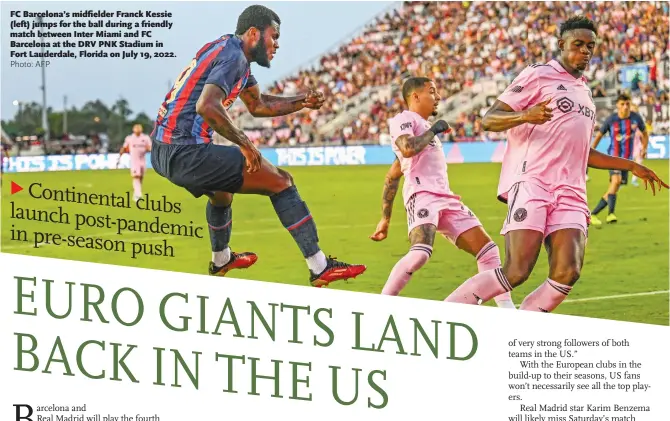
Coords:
221,199
567,275
517,274
284,181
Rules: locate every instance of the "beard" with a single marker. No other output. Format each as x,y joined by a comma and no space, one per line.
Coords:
260,55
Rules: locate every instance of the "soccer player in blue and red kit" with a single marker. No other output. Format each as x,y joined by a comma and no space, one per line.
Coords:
622,127
183,152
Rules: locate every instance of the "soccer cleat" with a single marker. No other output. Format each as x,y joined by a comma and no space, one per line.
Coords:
335,271
611,218
595,221
237,261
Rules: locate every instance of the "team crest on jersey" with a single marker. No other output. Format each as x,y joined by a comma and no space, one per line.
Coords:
422,213
407,125
520,214
565,104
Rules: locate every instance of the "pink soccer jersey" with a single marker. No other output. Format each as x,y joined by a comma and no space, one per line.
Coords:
137,147
553,155
427,170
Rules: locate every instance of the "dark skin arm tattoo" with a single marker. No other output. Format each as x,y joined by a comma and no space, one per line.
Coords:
391,183
412,145
210,107
263,105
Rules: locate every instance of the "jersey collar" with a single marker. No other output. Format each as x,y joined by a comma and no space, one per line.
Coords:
560,69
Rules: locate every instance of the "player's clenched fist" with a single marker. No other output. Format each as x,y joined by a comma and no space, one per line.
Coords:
440,126
539,114
314,99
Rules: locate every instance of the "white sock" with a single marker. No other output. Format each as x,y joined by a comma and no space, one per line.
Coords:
317,262
506,304
220,258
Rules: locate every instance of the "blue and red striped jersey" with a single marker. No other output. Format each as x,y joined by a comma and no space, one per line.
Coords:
622,133
220,62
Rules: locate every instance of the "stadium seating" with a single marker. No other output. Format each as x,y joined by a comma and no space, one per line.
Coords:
471,49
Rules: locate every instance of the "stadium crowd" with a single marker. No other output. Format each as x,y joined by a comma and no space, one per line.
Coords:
456,44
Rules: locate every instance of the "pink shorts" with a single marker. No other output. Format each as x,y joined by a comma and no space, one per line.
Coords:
531,207
137,170
451,217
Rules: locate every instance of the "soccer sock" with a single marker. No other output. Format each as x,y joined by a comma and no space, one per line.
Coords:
546,297
488,259
483,286
294,215
402,272
317,262
611,202
600,206
137,186
220,224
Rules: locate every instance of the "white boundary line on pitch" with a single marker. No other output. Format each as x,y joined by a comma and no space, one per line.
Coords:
612,297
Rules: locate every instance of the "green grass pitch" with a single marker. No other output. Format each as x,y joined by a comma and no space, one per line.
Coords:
627,259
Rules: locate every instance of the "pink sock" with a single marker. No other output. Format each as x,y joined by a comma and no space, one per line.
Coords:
417,256
546,297
137,186
488,259
481,288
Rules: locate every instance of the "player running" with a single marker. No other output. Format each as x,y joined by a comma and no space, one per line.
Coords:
549,114
183,151
137,145
430,204
622,127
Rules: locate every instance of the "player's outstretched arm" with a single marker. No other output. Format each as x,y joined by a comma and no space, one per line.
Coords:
391,183
412,145
603,161
210,108
263,105
501,117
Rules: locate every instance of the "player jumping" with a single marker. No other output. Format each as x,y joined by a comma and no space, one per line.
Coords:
137,145
430,204
183,151
549,114
622,127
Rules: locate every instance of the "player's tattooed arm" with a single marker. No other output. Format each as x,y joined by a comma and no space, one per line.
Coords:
412,145
391,183
501,117
264,105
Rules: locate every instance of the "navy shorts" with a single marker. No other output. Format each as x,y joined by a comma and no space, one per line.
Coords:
623,174
201,169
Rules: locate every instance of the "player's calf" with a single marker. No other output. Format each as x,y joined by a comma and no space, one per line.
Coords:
297,219
478,243
219,223
402,272
421,238
565,248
